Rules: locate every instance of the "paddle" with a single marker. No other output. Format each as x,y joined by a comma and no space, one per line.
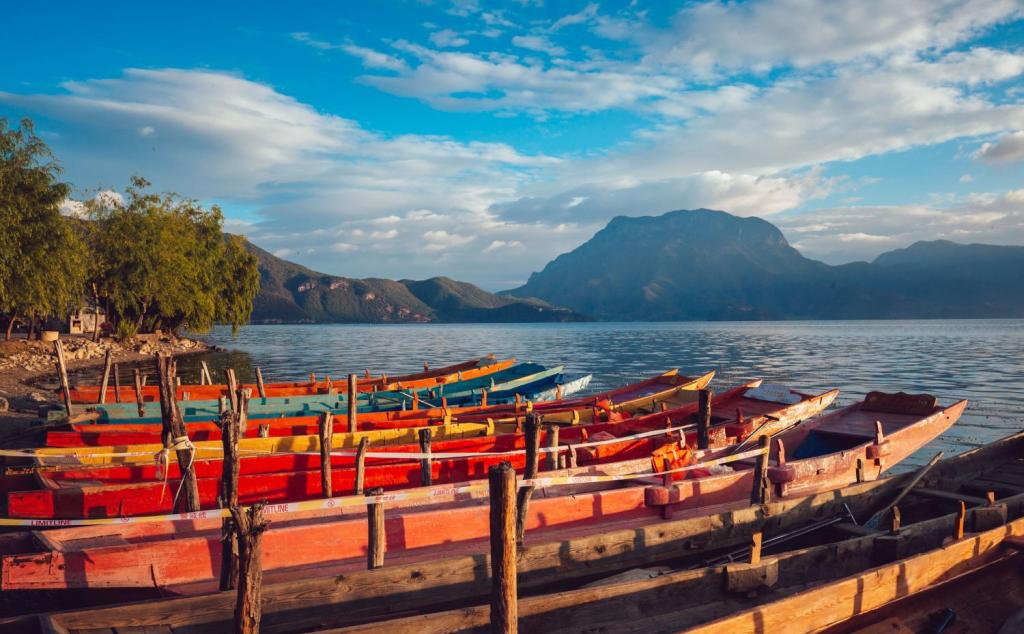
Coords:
876,519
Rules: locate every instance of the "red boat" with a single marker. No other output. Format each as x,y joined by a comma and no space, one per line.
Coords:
856,442
120,491
426,379
642,396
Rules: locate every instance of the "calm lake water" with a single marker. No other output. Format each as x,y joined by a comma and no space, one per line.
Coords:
981,360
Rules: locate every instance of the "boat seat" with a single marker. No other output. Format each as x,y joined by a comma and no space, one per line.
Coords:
899,403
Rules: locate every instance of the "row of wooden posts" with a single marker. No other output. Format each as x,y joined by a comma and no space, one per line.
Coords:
241,531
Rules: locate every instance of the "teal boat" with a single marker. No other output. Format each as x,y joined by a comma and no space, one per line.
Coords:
528,380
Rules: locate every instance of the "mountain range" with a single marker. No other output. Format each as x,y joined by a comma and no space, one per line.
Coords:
711,265
683,265
291,293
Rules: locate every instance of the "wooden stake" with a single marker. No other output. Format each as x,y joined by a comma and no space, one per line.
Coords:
426,466
526,492
759,493
175,436
426,367
264,430
353,403
229,499
483,397
364,442
232,382
666,481
376,542
205,375
242,398
117,383
755,548
553,444
62,376
249,602
106,376
312,379
138,393
328,383
259,383
326,432
504,609
894,528
958,527
704,418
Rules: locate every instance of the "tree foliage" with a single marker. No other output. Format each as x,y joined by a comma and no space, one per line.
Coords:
41,270
155,261
162,261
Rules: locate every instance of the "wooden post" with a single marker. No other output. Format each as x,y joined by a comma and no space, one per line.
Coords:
264,430
326,432
361,464
138,393
242,399
312,379
426,367
426,466
553,444
328,384
483,397
229,499
376,535
62,376
205,375
259,383
504,609
106,377
894,527
232,382
666,481
755,548
187,497
704,418
958,526
759,493
249,602
353,402
532,463
117,383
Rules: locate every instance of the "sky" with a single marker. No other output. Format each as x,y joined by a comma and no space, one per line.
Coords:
408,139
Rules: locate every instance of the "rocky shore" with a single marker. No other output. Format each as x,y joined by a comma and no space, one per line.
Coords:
23,363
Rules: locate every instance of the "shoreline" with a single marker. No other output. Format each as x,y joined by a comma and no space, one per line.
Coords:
23,364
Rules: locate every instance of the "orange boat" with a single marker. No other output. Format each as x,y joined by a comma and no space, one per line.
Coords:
642,397
473,368
845,446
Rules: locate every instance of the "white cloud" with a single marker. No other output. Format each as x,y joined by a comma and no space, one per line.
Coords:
496,245
343,247
447,38
580,17
390,234
1007,149
966,178
538,43
147,130
845,234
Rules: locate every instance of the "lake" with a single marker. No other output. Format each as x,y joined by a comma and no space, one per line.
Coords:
981,360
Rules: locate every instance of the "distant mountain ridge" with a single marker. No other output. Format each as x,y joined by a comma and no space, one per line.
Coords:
710,265
292,293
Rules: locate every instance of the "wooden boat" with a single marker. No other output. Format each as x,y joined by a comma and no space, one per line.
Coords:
523,379
150,554
139,490
643,397
357,596
429,378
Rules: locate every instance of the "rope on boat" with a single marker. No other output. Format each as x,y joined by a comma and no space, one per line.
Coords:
356,501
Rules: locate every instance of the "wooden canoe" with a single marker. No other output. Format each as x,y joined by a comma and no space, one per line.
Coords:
88,394
844,575
141,490
147,555
523,379
357,596
683,390
643,397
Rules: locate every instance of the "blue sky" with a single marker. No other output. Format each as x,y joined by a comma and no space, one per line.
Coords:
479,140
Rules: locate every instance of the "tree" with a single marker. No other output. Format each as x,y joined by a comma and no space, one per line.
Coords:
41,271
162,262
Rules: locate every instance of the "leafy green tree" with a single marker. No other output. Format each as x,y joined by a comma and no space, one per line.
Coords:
41,263
162,262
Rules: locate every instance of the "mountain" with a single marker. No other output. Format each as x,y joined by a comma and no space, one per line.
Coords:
709,265
291,293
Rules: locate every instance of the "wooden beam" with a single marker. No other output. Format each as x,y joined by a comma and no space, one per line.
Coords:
326,435
259,383
249,601
948,496
106,376
704,418
353,403
377,536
